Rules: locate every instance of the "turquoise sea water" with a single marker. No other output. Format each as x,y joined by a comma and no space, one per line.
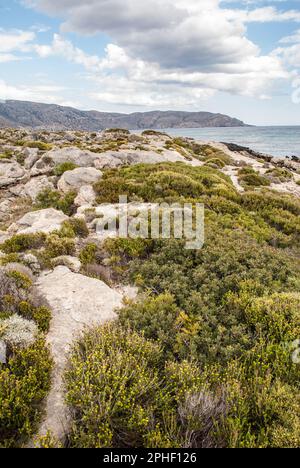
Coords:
277,141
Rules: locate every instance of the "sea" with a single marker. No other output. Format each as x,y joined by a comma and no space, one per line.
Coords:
275,141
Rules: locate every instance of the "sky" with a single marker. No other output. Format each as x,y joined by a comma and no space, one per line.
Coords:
240,58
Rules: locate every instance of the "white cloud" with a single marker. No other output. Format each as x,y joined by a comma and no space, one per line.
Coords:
42,93
169,52
16,40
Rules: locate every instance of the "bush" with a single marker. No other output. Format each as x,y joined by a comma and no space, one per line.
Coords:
56,246
38,144
24,383
248,177
121,386
18,332
215,162
131,399
75,227
49,198
23,242
88,254
158,318
60,169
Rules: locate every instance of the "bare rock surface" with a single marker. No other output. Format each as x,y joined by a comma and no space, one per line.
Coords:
113,159
46,221
77,302
86,196
34,186
77,178
82,158
10,172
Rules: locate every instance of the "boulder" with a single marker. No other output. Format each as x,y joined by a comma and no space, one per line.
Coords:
82,158
111,159
35,186
31,155
10,172
46,221
86,196
74,180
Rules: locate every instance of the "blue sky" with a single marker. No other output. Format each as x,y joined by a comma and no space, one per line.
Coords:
241,58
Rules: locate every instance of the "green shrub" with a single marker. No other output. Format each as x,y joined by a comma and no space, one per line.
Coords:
24,383
75,227
88,254
56,246
60,169
279,174
40,315
121,388
215,162
248,177
49,198
23,242
158,318
7,154
38,144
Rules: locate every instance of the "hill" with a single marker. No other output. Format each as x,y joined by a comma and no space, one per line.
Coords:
54,117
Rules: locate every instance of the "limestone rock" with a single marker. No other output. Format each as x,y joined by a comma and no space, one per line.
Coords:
86,196
46,221
10,172
82,158
32,156
35,186
111,159
77,178
76,302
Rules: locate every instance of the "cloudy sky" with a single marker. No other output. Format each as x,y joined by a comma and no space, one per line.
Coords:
241,58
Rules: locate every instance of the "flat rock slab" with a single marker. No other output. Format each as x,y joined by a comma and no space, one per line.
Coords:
46,221
77,178
82,158
77,302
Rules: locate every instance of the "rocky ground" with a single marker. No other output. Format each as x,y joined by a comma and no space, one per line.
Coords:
59,163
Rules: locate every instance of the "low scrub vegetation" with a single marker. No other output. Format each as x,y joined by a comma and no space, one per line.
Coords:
49,198
25,373
218,324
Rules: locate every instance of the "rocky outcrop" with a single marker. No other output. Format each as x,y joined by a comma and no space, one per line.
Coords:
76,302
81,158
74,180
10,173
45,221
34,186
86,196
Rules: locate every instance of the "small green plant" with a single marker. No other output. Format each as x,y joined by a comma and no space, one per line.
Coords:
39,145
88,254
23,242
249,177
56,246
60,169
24,383
49,198
77,226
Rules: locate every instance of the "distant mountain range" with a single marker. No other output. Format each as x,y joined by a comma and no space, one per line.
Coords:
53,117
